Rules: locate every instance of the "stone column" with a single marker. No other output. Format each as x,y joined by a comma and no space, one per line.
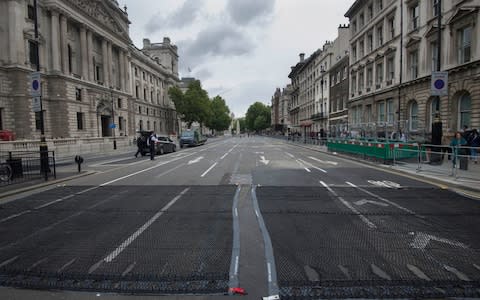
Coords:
83,47
90,67
55,42
64,43
121,62
112,82
105,63
16,47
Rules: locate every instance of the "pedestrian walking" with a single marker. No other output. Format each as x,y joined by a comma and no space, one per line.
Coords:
152,139
474,144
457,142
140,143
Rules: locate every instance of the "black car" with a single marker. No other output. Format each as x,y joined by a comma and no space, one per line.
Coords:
192,138
163,145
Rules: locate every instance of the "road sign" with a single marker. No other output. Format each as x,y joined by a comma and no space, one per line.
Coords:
112,126
36,104
35,84
439,84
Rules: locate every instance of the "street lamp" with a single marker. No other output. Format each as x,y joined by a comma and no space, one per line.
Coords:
113,121
437,123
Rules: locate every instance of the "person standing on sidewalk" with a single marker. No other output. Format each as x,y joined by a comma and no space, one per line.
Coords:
457,142
474,144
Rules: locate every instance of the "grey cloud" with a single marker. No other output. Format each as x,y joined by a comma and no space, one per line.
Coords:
215,41
203,74
182,17
244,12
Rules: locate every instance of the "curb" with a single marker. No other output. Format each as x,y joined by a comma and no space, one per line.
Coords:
451,186
40,185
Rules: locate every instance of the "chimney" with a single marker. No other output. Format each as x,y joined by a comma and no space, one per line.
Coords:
166,41
302,57
146,43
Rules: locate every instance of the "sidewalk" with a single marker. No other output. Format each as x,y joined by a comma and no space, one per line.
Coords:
467,179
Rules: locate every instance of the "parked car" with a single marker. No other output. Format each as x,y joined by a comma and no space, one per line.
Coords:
192,138
163,145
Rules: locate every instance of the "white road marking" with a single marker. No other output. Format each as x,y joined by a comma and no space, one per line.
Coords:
419,273
209,169
422,240
312,166
289,154
225,155
457,273
334,163
37,263
236,212
129,269
262,160
365,201
476,266
168,171
144,227
236,265
54,201
196,160
66,265
383,199
349,206
269,267
14,216
380,273
303,166
8,261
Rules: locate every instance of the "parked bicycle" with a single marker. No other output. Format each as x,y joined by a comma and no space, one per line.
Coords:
5,172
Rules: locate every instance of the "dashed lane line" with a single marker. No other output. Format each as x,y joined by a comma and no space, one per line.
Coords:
209,169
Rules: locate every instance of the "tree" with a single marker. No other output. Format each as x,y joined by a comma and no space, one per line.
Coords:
220,115
193,105
243,125
258,117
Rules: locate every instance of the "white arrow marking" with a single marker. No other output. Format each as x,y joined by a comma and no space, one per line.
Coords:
422,239
365,201
196,160
385,183
259,152
324,161
262,160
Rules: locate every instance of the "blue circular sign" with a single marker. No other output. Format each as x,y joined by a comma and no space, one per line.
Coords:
35,85
439,84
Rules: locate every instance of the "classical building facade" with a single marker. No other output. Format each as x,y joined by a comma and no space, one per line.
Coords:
275,111
88,64
391,63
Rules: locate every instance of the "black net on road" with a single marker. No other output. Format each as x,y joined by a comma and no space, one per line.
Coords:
330,252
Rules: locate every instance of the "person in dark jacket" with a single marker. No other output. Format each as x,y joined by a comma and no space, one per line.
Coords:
457,143
140,143
474,144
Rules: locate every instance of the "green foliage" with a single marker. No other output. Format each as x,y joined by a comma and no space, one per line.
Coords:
243,125
220,115
193,105
258,117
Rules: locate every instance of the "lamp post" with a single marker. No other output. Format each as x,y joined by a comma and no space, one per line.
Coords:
113,121
44,165
437,130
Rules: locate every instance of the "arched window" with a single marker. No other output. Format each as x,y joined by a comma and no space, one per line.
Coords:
464,110
413,115
433,110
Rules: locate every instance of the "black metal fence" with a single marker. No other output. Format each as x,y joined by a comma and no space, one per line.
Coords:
21,166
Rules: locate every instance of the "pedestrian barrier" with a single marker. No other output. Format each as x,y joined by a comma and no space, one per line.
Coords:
384,151
21,166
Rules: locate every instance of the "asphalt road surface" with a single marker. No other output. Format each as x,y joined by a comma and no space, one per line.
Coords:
253,213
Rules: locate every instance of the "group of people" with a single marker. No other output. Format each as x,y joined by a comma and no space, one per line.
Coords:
468,139
149,142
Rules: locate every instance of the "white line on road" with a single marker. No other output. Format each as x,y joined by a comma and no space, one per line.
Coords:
457,273
3,264
228,152
209,169
54,201
168,171
236,265
312,166
269,267
349,206
129,269
136,234
324,161
66,265
289,154
381,198
14,216
303,166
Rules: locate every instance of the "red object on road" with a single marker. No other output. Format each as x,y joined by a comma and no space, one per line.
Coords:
237,291
7,135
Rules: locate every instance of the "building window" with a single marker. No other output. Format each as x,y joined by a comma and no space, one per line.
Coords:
464,42
390,69
414,16
370,11
361,81
147,111
30,12
80,120
145,94
148,125
370,41
413,58
368,113
151,96
140,125
413,116
70,56
390,112
38,121
1,118
136,91
362,48
436,7
33,48
433,109
362,20
391,27
379,74
434,53
354,26
78,94
381,111
379,36
120,123
379,5
369,77
465,110
143,75
354,53
119,103
139,109
354,84
136,72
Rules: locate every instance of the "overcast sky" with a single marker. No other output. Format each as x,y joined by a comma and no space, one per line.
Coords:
241,50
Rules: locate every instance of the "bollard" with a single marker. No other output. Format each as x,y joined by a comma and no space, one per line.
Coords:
79,161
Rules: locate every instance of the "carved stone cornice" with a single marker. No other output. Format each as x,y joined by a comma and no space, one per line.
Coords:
97,11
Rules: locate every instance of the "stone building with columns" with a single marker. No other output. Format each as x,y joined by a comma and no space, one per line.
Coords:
90,72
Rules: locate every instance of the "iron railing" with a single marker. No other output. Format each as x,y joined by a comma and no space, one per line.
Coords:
22,166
